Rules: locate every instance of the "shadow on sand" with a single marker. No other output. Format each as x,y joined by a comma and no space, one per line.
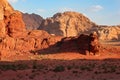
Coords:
71,44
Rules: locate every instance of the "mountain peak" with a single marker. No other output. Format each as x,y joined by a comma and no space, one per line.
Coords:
67,24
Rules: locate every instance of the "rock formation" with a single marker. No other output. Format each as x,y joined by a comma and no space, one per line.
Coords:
109,32
11,22
32,21
94,45
67,24
84,44
14,36
73,24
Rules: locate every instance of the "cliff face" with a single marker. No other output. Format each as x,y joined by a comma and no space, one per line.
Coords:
11,22
13,34
67,24
32,21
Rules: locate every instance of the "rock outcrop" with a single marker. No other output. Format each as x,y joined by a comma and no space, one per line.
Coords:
84,44
15,37
109,32
67,24
94,45
32,21
11,22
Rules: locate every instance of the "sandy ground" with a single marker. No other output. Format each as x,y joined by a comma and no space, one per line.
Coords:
63,66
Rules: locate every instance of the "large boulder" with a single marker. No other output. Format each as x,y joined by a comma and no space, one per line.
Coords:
94,45
84,44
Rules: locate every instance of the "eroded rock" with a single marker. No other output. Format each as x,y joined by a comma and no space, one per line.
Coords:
67,24
11,22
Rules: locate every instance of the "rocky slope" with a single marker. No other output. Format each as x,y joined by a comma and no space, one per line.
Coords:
32,21
67,24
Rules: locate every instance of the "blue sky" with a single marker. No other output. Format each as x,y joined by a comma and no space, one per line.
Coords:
103,12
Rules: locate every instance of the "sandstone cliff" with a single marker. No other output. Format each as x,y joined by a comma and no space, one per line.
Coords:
32,21
11,22
15,37
67,24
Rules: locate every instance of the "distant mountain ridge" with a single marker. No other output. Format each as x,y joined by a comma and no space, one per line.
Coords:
32,21
67,24
73,24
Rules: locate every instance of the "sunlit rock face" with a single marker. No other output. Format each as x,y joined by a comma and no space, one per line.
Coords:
11,22
109,32
67,24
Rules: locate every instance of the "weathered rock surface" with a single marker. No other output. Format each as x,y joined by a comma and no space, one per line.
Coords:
73,24
13,34
67,24
109,32
94,45
11,22
84,44
32,21
34,40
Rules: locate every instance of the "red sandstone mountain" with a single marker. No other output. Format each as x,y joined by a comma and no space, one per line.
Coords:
17,45
13,33
32,21
73,24
67,24
15,37
11,22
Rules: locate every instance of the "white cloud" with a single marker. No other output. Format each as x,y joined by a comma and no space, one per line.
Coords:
95,8
12,1
65,9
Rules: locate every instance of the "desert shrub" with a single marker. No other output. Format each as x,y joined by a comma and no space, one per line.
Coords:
87,67
59,69
22,66
13,67
69,67
7,67
74,71
107,68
